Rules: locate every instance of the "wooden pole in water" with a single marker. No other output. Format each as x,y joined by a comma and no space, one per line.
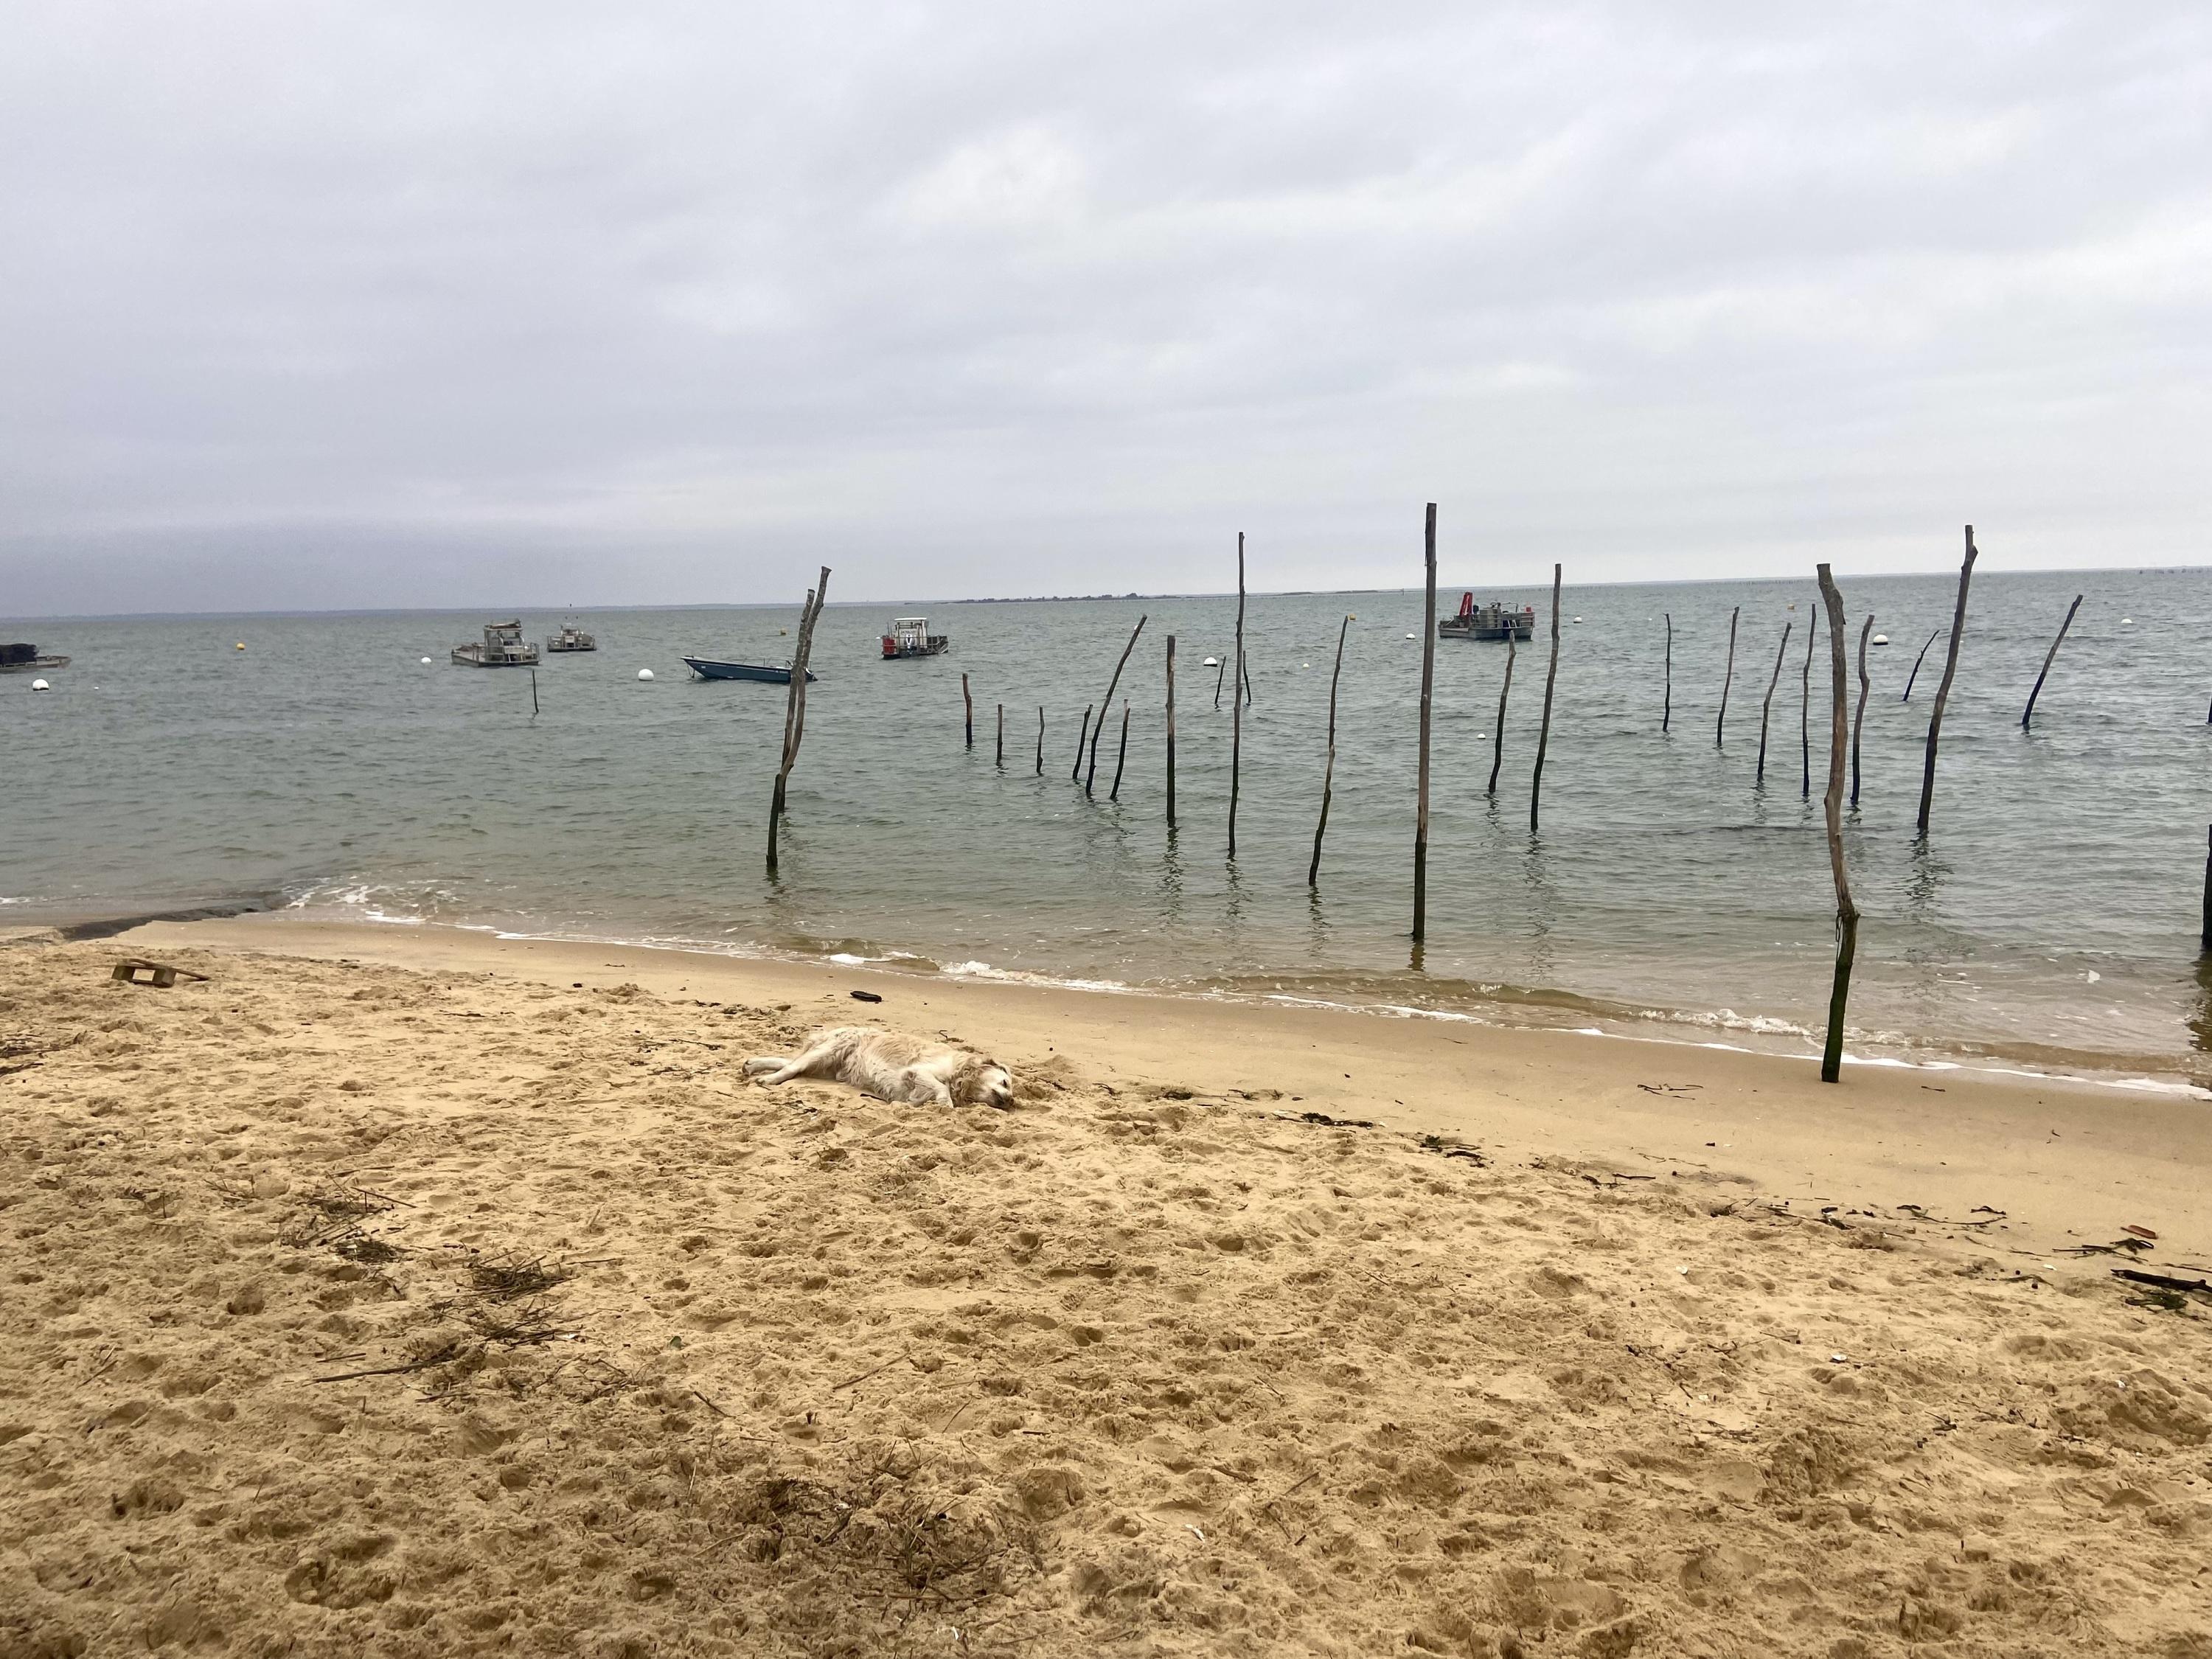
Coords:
1847,912
1329,766
1497,737
1428,687
1918,660
1859,720
2207,940
1247,684
1075,772
1236,704
1039,771
1544,731
1727,679
1805,708
1666,709
1219,669
1107,707
533,689
1121,758
1002,737
1780,652
967,717
1172,731
794,708
2028,713
1943,691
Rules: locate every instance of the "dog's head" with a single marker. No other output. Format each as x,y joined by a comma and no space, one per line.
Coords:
983,1082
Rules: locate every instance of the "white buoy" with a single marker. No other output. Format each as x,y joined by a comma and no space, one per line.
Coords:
241,645
645,673
41,686
426,662
1578,621
1412,636
1210,662
1881,638
2127,622
1305,664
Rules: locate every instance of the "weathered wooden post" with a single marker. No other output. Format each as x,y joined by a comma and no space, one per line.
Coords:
1428,686
1329,766
1666,709
1075,772
1106,707
968,716
1943,691
1780,652
1720,726
1847,912
1859,720
1121,759
1805,708
1934,636
533,691
1498,737
1039,771
1544,731
2207,938
794,707
1171,638
1219,669
1002,737
2029,713
1236,703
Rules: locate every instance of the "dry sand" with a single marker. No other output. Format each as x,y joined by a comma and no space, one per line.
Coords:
434,1302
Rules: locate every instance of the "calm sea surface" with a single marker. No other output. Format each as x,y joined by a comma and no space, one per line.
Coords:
2050,921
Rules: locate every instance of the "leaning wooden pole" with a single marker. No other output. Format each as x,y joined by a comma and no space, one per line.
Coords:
1544,731
794,708
1847,912
1858,720
1934,636
1106,707
1082,736
1805,709
1497,737
1329,766
1219,669
1236,702
1943,689
1766,708
1720,726
2207,938
1039,771
2050,656
1002,737
1667,708
1121,756
1172,731
968,715
1428,687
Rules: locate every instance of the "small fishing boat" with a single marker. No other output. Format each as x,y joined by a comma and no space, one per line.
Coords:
504,646
572,638
910,637
1489,622
708,669
20,659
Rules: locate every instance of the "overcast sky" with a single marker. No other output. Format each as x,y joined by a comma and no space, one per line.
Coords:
530,304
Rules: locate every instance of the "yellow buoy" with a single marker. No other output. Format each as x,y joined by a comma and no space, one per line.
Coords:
241,645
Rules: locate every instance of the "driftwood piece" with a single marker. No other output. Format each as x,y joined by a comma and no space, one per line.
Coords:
1847,911
1728,678
1544,730
1780,650
1428,687
1858,720
1090,773
1329,766
1944,688
2049,657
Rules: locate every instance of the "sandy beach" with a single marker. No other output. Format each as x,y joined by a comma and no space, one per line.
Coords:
414,1292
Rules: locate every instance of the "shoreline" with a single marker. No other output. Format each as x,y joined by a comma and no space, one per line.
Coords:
2064,1157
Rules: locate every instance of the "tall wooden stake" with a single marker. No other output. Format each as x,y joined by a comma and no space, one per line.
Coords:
1039,771
1847,912
1329,766
1106,707
1122,757
1780,652
1943,691
1075,772
1219,669
1934,636
1002,737
1428,687
1858,720
1172,731
2029,713
2207,940
1236,703
1666,709
1805,708
1544,731
1497,737
1720,726
533,689
794,708
967,717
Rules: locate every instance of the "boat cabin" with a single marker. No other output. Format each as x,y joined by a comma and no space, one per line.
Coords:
910,637
1488,621
504,646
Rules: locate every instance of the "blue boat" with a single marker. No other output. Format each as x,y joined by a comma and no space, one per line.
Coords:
707,669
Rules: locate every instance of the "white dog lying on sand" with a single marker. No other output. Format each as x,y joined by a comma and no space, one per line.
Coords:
893,1067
